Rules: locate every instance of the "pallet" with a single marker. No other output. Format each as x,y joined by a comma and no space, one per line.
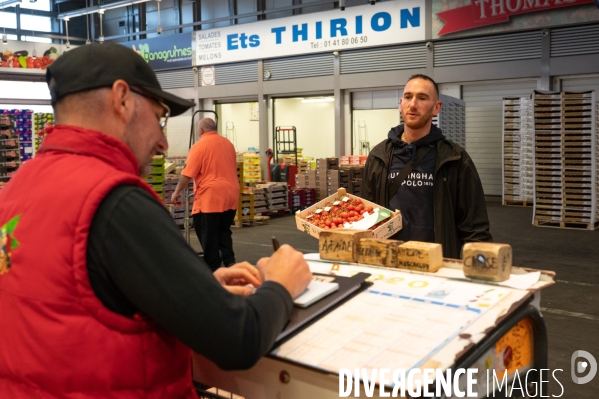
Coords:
566,225
517,203
256,221
278,212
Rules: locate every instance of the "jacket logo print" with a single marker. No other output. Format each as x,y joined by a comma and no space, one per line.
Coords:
7,243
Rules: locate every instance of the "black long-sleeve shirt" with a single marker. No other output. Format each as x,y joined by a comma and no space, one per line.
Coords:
139,261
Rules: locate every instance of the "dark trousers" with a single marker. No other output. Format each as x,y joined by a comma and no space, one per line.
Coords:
214,233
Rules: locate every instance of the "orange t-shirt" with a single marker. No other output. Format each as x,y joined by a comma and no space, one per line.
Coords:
212,164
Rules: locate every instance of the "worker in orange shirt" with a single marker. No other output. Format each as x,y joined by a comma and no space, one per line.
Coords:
212,165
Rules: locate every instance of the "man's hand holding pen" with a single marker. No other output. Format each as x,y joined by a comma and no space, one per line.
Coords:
287,267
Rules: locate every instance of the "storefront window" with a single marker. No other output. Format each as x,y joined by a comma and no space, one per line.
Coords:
36,23
24,90
8,20
41,5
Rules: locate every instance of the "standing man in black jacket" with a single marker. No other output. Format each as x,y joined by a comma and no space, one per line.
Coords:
441,197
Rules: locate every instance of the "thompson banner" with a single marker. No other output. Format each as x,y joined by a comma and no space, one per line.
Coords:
472,17
385,23
163,52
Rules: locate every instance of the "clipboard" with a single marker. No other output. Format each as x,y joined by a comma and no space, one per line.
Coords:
303,317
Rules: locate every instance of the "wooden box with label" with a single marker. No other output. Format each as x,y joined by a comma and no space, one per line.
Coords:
420,256
341,244
376,251
487,261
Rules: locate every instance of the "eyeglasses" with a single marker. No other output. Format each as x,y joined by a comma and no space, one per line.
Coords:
167,111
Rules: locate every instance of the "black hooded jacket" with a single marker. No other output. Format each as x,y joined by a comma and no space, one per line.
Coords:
459,208
414,198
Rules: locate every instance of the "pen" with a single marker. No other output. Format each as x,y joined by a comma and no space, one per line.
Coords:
275,243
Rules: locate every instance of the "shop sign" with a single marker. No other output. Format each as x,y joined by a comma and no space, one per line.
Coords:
164,52
208,77
385,23
509,15
32,56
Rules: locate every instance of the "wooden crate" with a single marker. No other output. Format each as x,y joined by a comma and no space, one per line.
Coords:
566,149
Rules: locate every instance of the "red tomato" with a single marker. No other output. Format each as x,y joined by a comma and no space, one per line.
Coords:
344,215
324,213
327,222
362,211
351,207
368,209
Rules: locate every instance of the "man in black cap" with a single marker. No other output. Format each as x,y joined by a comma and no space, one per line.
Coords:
100,295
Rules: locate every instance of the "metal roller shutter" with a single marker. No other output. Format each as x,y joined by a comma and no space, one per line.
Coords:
581,84
175,79
300,67
577,40
498,48
241,72
484,125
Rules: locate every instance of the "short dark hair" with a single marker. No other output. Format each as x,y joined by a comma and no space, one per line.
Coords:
422,76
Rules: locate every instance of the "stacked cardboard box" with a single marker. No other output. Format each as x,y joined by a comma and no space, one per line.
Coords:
9,148
260,201
24,129
299,198
169,186
156,177
322,183
251,168
355,178
245,207
275,195
177,212
303,166
337,178
565,160
518,151
40,121
240,174
327,163
305,179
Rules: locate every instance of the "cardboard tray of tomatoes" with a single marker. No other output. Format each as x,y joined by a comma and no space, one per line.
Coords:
351,210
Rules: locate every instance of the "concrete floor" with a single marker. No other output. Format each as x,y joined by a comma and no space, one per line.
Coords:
569,307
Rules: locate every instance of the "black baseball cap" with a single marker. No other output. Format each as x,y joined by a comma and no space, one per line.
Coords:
98,65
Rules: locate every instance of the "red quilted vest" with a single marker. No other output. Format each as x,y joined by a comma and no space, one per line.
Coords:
57,340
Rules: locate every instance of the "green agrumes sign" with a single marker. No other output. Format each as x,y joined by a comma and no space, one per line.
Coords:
164,52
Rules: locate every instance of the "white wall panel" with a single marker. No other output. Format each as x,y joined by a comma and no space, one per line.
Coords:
484,126
242,131
373,125
581,83
177,134
314,122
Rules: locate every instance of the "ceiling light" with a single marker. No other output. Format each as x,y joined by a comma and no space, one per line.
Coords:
318,100
4,39
8,3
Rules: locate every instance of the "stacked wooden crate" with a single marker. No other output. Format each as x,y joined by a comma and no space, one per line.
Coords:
549,166
245,208
452,119
565,160
156,177
251,168
518,152
579,141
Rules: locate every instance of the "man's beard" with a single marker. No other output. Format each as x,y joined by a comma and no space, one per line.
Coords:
419,122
